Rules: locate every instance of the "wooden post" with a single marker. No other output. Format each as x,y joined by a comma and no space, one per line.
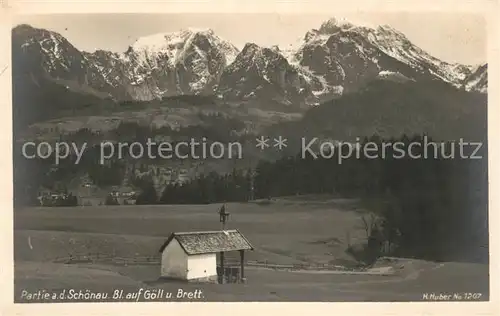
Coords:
223,218
252,186
242,264
222,267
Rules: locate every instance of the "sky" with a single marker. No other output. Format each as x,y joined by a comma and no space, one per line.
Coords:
452,37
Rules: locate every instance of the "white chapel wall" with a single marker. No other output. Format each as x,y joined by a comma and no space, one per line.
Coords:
202,265
174,261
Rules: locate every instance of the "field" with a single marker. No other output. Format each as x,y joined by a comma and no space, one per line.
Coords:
285,231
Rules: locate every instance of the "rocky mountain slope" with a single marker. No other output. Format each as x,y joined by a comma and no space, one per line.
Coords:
392,108
477,80
184,62
260,72
337,58
346,56
341,82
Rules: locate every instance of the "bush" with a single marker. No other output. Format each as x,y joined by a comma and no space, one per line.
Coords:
263,202
111,200
148,196
61,200
364,253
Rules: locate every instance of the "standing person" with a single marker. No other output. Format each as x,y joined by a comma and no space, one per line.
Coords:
222,209
223,215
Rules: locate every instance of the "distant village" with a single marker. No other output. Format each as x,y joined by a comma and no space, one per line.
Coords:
88,194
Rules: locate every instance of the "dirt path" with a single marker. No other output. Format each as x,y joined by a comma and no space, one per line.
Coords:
379,272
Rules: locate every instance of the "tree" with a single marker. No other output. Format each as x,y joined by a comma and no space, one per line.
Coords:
148,195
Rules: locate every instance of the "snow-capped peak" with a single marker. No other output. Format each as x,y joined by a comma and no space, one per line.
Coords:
389,29
161,41
175,44
388,41
333,25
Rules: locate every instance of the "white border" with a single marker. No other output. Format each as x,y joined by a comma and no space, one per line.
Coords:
7,10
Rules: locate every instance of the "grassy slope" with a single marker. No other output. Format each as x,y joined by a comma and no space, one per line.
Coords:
286,231
283,232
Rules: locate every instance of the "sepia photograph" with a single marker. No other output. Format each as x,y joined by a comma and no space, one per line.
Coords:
250,157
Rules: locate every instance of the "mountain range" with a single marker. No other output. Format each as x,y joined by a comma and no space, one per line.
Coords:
340,82
336,58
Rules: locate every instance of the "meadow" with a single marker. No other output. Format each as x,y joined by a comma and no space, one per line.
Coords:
314,230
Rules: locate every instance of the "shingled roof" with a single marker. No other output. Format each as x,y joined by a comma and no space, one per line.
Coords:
209,241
